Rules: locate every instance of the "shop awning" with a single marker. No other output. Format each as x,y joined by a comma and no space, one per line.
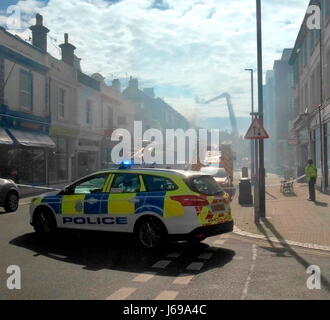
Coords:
4,137
32,139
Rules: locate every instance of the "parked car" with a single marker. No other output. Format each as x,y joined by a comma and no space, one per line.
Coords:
221,177
9,195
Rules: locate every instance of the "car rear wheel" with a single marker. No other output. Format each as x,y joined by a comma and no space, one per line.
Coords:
44,222
150,233
12,200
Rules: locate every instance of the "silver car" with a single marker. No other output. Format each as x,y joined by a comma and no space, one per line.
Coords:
9,195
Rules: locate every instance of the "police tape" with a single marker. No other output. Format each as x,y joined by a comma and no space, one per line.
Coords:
37,187
226,188
284,182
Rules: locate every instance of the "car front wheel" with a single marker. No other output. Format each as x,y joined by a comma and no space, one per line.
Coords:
44,222
12,200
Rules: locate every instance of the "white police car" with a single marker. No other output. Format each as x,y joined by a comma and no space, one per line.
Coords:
154,204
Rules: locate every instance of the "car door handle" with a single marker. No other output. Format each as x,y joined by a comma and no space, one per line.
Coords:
92,201
134,200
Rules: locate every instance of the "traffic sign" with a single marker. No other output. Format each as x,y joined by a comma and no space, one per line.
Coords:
256,131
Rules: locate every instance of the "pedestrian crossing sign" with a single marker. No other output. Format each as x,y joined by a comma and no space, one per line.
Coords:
256,131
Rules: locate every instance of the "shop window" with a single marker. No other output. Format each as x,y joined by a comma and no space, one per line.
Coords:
28,163
58,161
26,90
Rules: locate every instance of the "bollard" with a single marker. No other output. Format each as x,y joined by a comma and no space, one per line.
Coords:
245,192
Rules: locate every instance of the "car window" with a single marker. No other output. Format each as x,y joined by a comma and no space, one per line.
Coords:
156,183
125,183
93,184
205,185
215,172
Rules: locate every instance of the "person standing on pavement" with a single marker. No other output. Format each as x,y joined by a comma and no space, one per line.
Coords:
311,176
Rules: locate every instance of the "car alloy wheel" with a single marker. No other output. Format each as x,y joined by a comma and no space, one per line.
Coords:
44,222
12,202
151,234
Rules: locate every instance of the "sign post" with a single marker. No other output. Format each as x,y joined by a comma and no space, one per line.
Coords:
257,133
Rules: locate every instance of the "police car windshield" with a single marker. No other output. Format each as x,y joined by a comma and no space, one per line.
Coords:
205,185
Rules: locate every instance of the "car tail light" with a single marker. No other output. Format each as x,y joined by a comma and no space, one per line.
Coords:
191,201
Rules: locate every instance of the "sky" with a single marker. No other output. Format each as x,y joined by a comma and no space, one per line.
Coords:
182,48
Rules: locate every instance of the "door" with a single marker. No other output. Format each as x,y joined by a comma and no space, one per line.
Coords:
81,203
126,199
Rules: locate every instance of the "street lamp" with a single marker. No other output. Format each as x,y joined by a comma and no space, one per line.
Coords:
261,167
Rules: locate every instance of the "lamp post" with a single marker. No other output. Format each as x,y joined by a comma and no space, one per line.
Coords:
252,141
261,173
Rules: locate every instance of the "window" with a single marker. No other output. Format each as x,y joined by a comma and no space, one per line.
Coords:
205,185
125,182
93,184
215,172
121,120
89,112
61,103
26,90
110,117
155,183
58,160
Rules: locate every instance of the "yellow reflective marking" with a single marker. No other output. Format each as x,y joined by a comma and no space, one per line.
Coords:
37,201
172,208
143,187
121,203
73,204
107,183
110,183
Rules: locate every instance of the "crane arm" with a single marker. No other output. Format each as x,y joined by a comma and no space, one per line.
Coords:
230,110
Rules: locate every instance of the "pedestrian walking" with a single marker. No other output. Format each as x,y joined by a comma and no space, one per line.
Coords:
311,176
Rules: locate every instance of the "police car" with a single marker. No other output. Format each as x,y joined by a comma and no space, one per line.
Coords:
156,205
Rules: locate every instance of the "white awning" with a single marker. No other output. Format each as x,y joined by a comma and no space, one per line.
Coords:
32,139
4,137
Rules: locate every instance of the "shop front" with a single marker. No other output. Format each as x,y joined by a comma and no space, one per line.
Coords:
87,157
25,159
61,166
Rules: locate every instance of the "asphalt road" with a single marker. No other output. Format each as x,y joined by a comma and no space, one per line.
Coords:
102,266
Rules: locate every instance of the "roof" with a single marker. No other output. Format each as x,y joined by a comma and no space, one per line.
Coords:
181,173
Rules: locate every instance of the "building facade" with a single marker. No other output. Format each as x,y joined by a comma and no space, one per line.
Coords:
24,108
311,64
55,120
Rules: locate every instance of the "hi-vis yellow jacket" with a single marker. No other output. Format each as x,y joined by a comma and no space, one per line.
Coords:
311,172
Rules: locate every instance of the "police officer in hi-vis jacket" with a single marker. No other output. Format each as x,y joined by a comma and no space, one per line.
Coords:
311,176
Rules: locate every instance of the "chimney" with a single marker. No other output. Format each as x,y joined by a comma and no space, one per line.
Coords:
116,85
39,33
133,83
68,51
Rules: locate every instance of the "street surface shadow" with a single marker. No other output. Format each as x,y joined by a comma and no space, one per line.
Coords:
321,204
286,251
100,250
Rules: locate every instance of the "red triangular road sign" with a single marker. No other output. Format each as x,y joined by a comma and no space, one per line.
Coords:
256,131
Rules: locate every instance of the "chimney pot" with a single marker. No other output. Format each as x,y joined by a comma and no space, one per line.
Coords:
39,19
66,38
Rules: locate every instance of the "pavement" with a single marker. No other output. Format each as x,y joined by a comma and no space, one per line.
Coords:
288,217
